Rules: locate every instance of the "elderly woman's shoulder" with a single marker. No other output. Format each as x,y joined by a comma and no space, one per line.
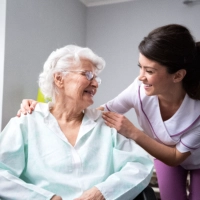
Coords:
40,109
93,113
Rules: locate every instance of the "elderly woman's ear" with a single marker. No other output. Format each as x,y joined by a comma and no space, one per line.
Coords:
58,80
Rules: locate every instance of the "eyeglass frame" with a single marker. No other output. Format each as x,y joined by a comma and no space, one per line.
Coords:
84,73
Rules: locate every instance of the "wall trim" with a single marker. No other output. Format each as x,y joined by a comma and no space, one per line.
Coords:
90,3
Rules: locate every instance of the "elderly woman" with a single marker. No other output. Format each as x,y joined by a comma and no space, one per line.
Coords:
64,150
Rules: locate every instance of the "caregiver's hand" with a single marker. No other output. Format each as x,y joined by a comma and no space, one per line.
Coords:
121,124
27,106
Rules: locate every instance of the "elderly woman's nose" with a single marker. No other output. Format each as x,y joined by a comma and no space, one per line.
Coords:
94,83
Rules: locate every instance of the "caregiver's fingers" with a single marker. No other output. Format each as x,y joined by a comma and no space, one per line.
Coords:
111,125
27,106
24,111
33,105
100,108
112,114
111,118
19,113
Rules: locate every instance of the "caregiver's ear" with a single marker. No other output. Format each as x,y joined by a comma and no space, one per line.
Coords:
179,75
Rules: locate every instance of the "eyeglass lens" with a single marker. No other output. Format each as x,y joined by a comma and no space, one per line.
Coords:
90,76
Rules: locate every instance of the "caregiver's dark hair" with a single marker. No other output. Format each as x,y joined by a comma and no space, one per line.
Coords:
174,47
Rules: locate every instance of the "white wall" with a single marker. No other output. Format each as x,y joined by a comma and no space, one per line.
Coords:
114,31
34,28
2,50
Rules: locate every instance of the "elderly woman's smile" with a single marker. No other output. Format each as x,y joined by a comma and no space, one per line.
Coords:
90,91
79,85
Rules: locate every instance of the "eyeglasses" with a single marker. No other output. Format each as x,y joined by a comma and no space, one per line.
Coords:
88,74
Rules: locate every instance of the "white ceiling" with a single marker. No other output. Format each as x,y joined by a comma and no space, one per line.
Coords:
90,3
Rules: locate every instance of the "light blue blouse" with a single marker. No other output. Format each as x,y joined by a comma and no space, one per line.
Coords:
37,161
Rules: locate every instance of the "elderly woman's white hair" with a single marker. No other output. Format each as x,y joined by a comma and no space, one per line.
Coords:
60,61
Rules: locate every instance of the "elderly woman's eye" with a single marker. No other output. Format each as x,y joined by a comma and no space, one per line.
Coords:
89,75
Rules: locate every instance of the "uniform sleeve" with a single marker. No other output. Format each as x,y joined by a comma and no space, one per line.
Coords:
133,170
125,100
190,141
13,147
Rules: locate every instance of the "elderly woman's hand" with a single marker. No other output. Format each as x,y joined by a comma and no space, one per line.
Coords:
55,197
121,124
27,106
91,194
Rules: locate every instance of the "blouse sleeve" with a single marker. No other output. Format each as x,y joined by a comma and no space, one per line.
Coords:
133,170
12,163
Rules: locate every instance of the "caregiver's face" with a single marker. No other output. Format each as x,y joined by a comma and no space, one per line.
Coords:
156,80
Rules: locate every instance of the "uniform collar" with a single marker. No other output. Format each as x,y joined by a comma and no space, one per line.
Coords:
185,117
178,124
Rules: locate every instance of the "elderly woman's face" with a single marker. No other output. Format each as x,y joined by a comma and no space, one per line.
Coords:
77,88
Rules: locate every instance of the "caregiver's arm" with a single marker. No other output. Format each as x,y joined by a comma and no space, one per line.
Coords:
167,154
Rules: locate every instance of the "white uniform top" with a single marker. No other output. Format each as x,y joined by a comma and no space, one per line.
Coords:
182,129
